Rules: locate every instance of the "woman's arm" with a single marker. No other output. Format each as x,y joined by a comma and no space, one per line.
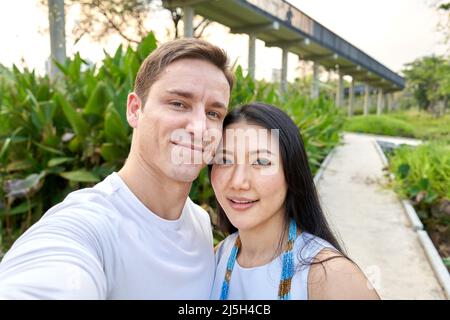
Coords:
338,279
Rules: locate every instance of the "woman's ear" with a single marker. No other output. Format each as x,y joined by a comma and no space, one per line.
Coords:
134,106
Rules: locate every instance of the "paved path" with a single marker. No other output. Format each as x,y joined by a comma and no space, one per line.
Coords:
370,220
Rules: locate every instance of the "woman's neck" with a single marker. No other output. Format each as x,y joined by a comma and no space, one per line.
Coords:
261,244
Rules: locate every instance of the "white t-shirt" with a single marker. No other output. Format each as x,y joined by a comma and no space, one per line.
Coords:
262,282
103,243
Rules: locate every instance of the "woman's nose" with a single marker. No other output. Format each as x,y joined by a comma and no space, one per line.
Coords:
240,179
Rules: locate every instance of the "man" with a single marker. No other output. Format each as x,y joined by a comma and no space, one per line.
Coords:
136,234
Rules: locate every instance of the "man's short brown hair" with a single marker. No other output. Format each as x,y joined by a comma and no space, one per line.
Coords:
175,50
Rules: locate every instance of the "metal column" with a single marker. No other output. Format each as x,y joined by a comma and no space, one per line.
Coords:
380,101
251,54
284,65
340,91
188,18
351,97
315,81
366,99
57,35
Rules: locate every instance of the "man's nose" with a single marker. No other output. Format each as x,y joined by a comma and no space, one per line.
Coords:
197,125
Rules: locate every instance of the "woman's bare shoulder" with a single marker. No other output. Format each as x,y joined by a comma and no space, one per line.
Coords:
332,276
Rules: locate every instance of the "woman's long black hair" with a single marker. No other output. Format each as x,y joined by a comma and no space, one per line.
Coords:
302,202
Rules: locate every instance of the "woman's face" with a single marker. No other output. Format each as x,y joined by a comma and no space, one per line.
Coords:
249,180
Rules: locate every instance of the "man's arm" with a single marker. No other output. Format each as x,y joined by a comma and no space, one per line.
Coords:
57,258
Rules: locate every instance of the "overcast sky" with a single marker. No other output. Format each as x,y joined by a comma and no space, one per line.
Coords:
392,31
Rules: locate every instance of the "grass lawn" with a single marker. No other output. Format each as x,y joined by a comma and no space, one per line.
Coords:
411,123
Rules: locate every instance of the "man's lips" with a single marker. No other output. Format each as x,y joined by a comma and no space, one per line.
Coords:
188,146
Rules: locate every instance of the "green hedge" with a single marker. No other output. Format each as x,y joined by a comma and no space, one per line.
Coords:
382,125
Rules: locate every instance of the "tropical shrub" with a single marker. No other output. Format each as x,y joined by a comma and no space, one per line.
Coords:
56,137
422,174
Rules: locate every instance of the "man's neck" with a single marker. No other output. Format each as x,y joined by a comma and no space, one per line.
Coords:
160,194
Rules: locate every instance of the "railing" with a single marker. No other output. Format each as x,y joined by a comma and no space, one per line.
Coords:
318,33
286,12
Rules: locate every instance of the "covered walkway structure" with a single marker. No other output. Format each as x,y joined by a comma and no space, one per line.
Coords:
280,24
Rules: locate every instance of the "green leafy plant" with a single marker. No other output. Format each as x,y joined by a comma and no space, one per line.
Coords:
422,173
59,137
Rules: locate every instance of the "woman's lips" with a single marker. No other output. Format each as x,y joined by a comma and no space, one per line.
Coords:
241,204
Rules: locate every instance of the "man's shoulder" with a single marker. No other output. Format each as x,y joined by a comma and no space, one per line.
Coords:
82,222
198,211
85,207
84,200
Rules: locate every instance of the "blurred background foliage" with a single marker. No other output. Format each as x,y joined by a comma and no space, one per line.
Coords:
70,134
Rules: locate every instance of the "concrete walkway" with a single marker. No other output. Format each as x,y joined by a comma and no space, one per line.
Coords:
370,220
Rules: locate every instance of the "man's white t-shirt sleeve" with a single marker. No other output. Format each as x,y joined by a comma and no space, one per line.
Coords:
57,258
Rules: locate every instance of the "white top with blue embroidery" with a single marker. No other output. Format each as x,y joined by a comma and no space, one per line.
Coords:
262,282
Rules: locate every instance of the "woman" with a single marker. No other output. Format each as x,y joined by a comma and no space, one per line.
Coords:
280,245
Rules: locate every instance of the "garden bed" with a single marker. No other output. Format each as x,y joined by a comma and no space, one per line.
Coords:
423,189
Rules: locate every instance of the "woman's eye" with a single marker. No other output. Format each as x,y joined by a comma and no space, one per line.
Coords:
227,162
262,162
224,161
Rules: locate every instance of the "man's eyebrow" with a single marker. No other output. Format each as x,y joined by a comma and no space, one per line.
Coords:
181,93
189,95
219,105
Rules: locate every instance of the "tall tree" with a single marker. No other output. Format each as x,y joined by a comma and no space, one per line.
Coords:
443,8
56,20
428,79
99,19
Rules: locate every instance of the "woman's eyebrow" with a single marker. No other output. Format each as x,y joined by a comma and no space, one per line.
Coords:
224,151
261,151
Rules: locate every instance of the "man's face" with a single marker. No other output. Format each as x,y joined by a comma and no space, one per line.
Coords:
184,107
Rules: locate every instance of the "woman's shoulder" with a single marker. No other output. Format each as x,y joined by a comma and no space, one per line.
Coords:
310,245
333,276
225,245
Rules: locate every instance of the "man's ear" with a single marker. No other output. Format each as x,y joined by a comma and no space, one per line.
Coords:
134,105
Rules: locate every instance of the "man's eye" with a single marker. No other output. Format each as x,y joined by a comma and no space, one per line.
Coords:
213,114
178,105
262,162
